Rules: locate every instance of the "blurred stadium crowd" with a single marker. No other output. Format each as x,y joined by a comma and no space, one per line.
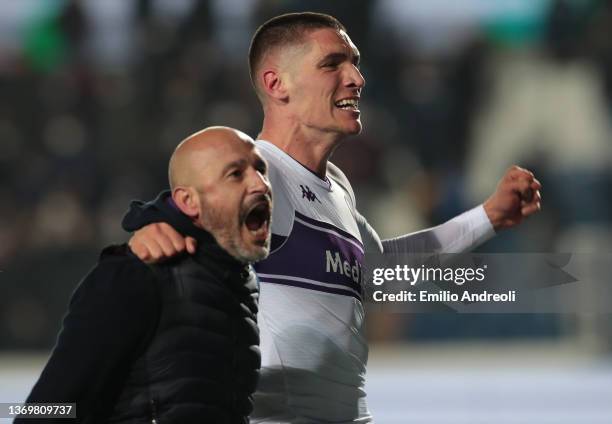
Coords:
96,94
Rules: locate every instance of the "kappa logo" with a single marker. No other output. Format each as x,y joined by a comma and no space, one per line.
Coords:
308,194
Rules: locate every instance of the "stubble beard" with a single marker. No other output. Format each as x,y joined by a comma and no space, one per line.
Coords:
227,232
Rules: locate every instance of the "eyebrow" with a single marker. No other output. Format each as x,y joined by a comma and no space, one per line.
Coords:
341,57
235,164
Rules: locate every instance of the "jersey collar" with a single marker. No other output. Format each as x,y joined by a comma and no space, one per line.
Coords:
325,183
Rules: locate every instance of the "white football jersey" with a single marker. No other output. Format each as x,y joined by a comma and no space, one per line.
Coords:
311,316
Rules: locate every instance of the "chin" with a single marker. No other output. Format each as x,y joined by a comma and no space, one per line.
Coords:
253,252
354,129
253,255
357,129
352,126
261,254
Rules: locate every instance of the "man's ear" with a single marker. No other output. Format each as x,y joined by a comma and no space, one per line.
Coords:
187,200
274,85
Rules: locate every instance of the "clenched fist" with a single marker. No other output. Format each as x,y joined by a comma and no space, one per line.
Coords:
159,241
516,197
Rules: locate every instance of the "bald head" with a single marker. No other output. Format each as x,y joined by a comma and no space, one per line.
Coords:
196,153
219,180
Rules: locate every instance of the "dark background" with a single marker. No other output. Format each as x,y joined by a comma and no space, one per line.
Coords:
94,96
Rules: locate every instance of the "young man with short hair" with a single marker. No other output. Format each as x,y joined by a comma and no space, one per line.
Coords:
305,70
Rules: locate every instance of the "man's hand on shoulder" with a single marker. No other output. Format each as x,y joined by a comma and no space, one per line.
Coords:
516,197
156,242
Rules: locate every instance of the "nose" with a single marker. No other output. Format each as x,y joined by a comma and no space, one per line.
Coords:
355,78
258,182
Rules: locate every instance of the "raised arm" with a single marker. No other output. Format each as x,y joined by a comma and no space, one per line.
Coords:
516,197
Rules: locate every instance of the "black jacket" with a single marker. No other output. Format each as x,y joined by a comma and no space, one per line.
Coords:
174,343
142,213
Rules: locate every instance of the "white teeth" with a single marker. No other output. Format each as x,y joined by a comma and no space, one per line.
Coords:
348,103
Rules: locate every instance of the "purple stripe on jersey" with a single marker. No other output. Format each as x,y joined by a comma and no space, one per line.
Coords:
332,227
313,287
276,242
316,254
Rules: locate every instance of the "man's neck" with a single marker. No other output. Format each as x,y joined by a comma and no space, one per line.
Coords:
311,149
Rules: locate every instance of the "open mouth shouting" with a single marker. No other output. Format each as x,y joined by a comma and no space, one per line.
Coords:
257,219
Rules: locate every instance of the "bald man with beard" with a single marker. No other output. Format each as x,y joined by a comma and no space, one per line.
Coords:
305,70
175,342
